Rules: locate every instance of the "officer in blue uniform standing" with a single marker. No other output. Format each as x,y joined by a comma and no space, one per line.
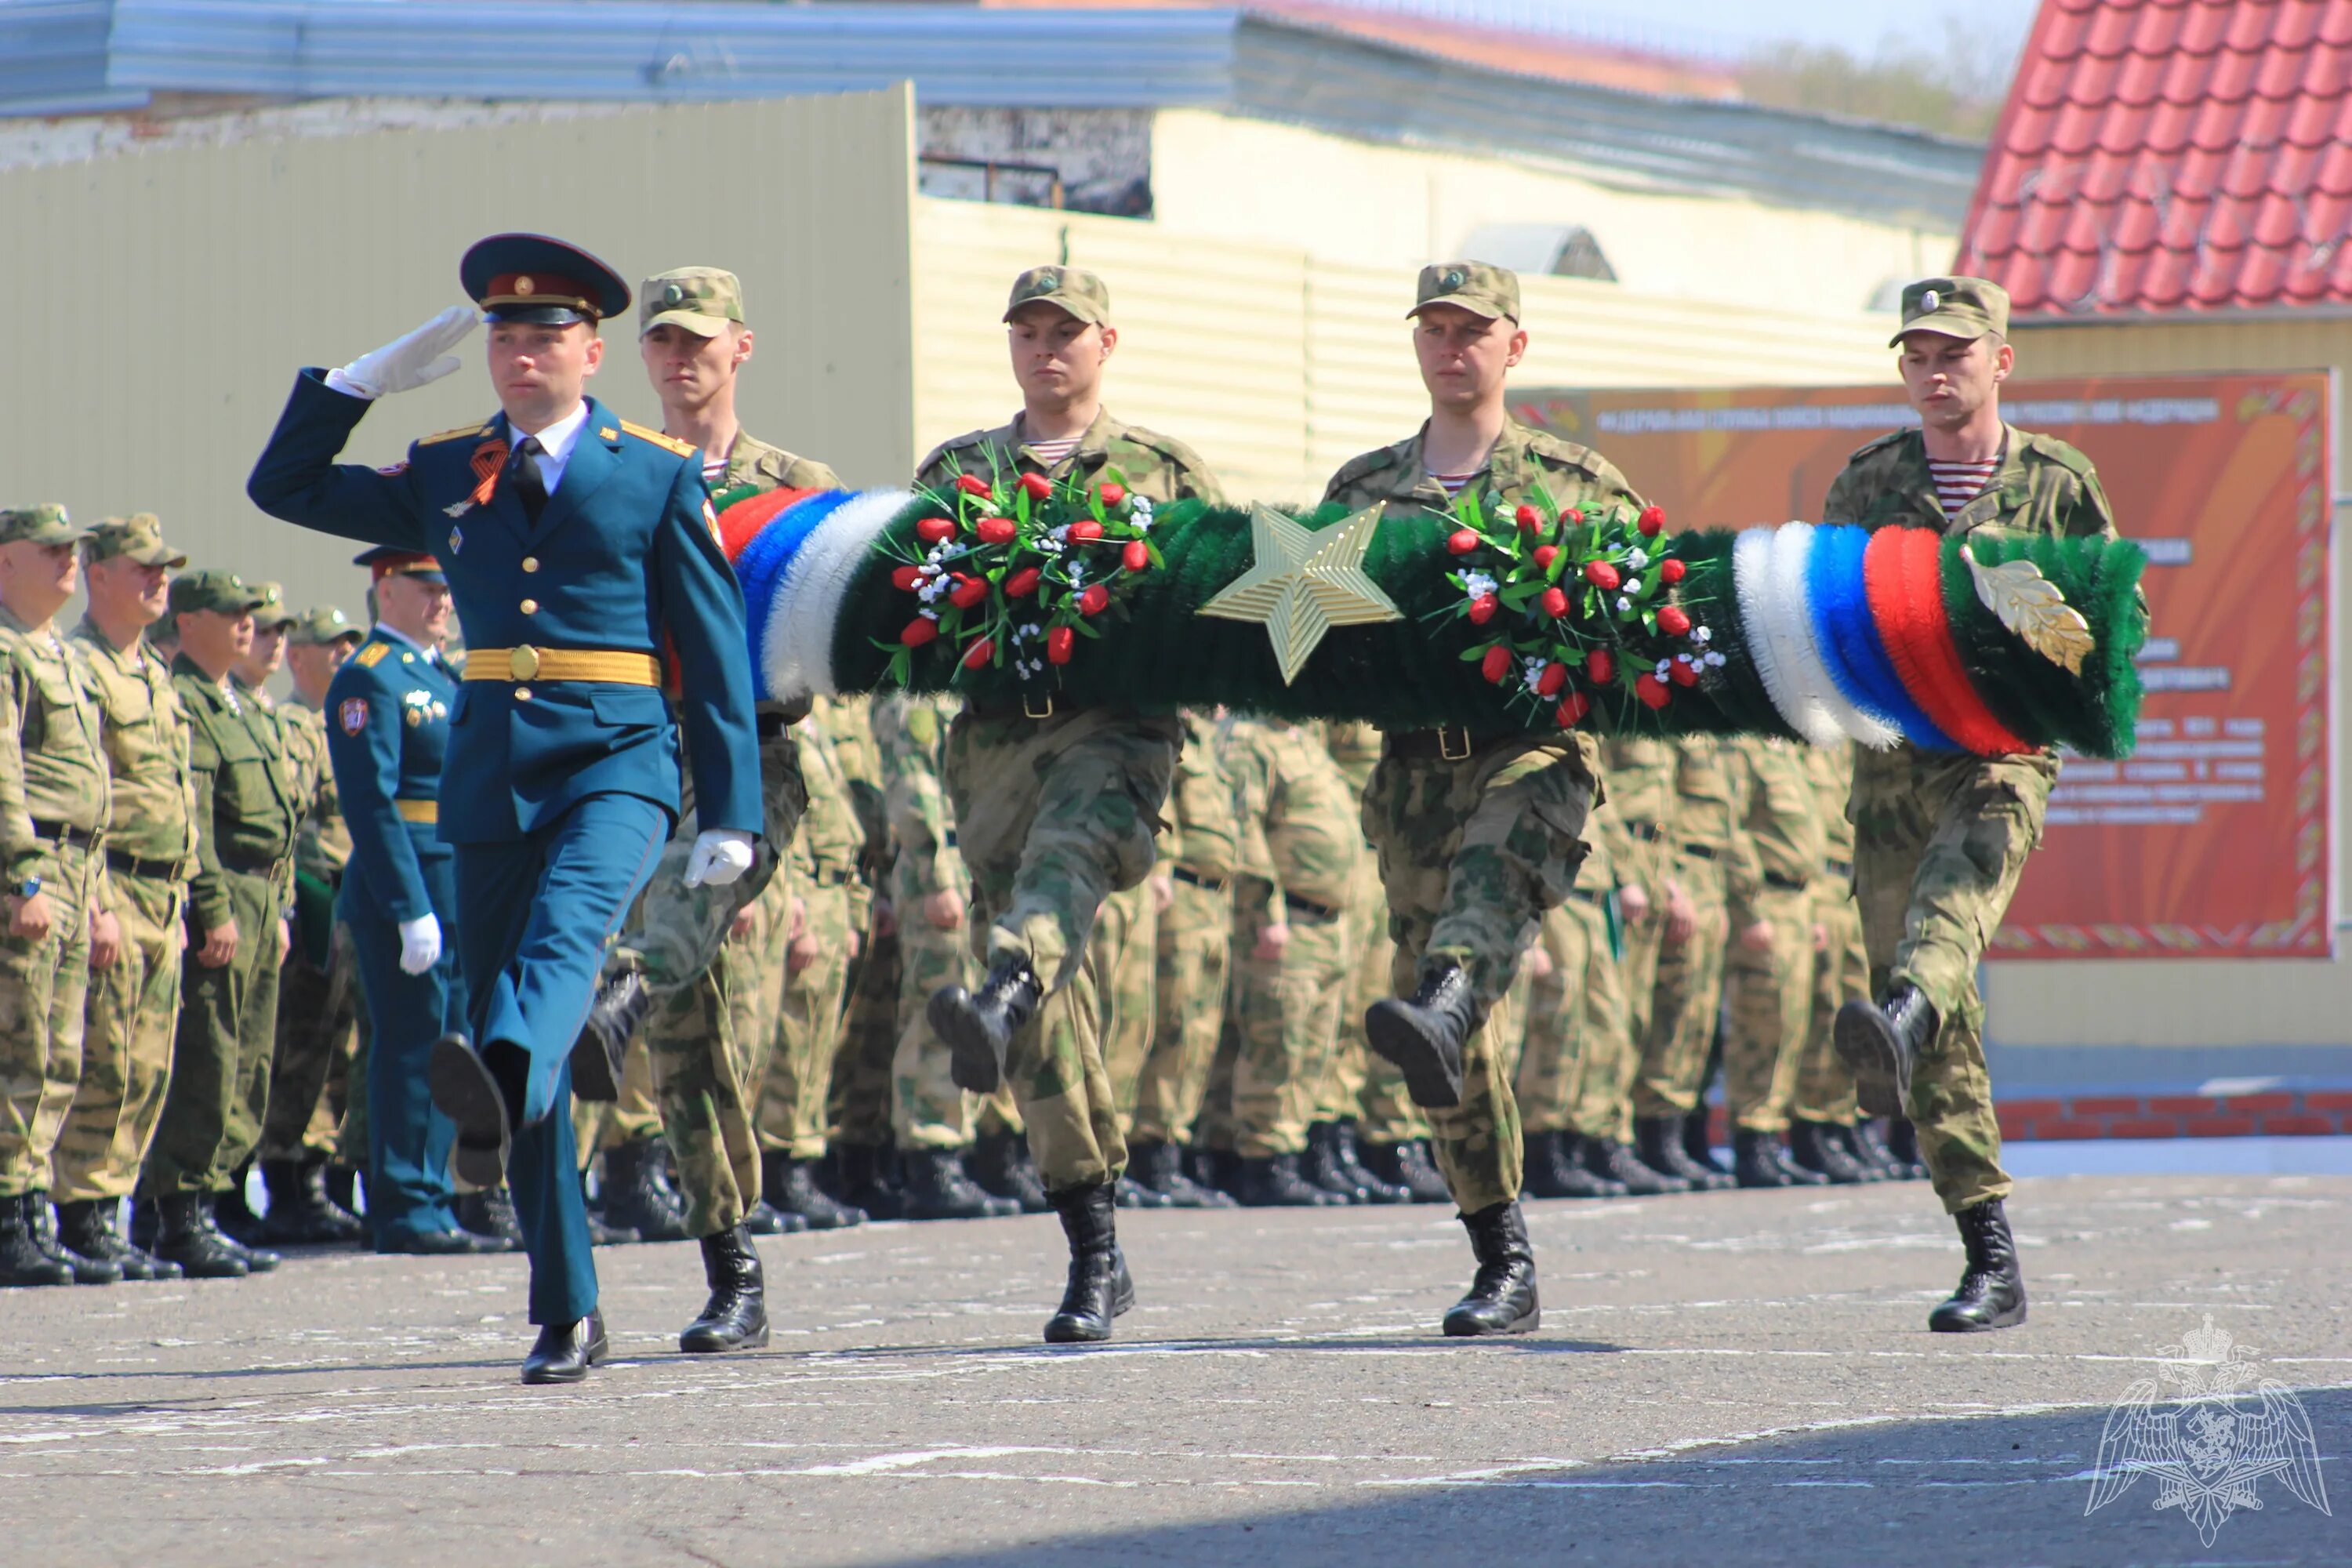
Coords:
577,546
387,713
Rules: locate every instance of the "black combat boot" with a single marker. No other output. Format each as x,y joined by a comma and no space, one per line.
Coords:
1502,1298
1423,1038
635,1197
186,1235
300,1213
1100,1288
43,1222
1798,1175
794,1192
600,1232
1555,1168
233,1216
1160,1167
621,1005
1818,1147
938,1187
343,1188
1002,1166
1879,1043
735,1316
1408,1164
1321,1165
1700,1147
1611,1161
487,1214
566,1350
1659,1141
1346,1155
1903,1149
1274,1182
1992,1287
979,1027
1868,1144
864,1177
22,1261
1127,1193
86,1228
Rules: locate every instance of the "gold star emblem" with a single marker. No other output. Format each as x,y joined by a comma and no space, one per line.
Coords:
1303,582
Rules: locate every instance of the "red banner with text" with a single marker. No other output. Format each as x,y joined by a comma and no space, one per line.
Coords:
2214,839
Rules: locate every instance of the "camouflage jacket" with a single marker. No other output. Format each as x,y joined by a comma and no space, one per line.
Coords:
1149,464
1781,826
832,840
1300,827
1710,791
911,744
52,770
1202,836
1355,747
2042,486
146,740
750,461
1522,458
245,807
323,844
1831,768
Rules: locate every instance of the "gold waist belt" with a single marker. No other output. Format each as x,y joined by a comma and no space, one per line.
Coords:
512,664
418,810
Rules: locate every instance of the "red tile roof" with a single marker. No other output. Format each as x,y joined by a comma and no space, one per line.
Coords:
2172,155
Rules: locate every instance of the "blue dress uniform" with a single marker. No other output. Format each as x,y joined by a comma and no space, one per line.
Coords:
561,781
387,714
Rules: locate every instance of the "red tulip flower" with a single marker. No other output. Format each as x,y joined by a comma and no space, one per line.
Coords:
1113,495
1572,709
1496,664
935,530
1545,555
1085,530
1060,643
922,629
973,485
1653,518
1137,556
1553,677
1682,672
996,530
1530,519
1601,667
1673,620
1021,583
1482,608
1653,692
1672,571
1462,540
968,591
1094,600
907,578
1036,487
1572,518
1554,602
980,653
1601,574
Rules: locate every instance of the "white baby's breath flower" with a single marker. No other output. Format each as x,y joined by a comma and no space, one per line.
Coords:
1476,584
1632,585
1638,558
1717,661
1623,604
1701,635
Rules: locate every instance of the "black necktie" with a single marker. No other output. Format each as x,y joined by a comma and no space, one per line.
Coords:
531,488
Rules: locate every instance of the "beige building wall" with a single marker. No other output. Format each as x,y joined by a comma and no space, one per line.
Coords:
1277,366
159,304
2221,1002
1380,205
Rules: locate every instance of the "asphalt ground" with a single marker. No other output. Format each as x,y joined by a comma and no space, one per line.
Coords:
1720,1379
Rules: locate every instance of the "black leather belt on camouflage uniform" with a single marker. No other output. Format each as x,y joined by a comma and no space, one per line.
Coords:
66,833
130,865
1041,705
1194,879
255,865
1786,884
834,878
1448,743
1320,913
1647,832
1700,851
1844,869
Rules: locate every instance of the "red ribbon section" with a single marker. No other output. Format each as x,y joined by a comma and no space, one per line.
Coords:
1902,573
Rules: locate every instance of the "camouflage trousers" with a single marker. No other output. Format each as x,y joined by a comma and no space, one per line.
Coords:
1126,952
1687,998
927,1109
1053,816
857,1100
793,1097
1841,975
1767,999
1646,863
221,1053
1471,853
133,1007
1940,844
318,1032
1194,955
1578,1057
1287,1026
1362,1085
44,987
634,1117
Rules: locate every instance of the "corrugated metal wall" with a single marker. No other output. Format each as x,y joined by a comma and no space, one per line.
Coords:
2206,1003
1278,368
159,304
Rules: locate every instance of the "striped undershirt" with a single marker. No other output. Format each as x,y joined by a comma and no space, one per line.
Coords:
1957,484
1451,483
1052,453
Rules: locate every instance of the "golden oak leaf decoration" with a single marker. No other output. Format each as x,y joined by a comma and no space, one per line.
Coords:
2032,606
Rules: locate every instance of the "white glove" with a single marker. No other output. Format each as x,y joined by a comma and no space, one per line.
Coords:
407,362
420,944
721,856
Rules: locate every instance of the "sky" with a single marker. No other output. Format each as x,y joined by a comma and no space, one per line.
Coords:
1731,26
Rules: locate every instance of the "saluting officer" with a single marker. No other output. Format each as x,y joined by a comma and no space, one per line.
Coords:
387,727
577,546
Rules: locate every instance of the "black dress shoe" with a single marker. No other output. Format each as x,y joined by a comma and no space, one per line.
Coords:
735,1316
979,1027
466,1094
1502,1298
1880,1042
439,1244
1422,1036
622,1002
1099,1286
566,1350
1993,1287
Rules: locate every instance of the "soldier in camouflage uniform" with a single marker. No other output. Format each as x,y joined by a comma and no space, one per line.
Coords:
1640,772
318,1002
1768,988
54,808
246,815
1942,837
134,985
1579,1053
1825,1131
1057,811
1477,834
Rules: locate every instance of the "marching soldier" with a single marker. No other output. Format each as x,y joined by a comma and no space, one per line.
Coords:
1941,837
54,808
1477,834
1825,1131
1577,1034
1056,811
579,547
1768,989
151,847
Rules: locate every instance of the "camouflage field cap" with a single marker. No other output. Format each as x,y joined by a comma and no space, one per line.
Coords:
272,611
1954,308
210,588
43,524
139,536
1473,286
702,299
321,625
1072,289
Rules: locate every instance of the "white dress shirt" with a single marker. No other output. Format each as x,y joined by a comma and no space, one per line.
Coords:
555,442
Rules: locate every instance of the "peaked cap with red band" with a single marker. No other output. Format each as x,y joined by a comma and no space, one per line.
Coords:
534,277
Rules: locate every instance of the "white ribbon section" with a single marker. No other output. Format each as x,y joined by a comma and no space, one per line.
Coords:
796,644
1801,665
1762,613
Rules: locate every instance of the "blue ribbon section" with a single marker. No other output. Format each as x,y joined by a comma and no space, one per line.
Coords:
1848,641
763,564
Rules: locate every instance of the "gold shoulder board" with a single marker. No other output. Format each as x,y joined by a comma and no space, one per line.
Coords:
667,443
459,434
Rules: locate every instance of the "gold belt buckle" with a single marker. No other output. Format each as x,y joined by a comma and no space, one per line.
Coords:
523,663
1029,708
1445,751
